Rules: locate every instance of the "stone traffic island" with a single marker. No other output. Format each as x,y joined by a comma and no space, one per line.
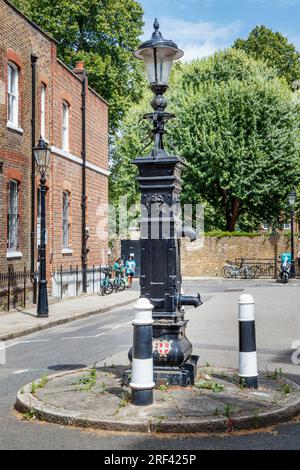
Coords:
94,398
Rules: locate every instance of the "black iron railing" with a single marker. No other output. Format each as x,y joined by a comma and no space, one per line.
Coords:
74,275
15,288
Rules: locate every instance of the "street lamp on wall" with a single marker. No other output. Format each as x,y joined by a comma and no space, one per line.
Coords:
42,155
292,202
158,55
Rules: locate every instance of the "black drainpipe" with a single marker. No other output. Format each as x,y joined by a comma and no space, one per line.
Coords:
34,59
85,250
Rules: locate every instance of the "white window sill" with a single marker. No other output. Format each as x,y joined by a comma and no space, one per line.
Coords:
14,254
13,127
67,251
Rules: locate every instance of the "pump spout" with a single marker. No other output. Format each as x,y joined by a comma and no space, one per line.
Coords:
186,231
190,300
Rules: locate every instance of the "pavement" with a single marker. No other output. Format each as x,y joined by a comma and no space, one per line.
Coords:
95,398
23,322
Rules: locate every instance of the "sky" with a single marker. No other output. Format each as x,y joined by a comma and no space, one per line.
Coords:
201,27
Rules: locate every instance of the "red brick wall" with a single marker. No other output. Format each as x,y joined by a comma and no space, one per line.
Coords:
18,40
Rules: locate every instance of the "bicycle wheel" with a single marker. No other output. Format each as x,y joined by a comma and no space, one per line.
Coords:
257,271
109,288
121,285
227,272
247,273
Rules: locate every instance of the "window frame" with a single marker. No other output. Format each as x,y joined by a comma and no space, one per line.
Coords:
65,126
43,110
13,241
13,95
65,221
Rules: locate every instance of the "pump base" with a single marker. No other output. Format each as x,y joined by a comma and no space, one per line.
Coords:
183,376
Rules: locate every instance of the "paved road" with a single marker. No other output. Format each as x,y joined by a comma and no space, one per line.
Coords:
95,339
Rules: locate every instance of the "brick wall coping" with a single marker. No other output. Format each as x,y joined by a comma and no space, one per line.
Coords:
79,161
78,78
99,96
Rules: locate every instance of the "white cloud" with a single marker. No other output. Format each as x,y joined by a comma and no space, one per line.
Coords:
197,39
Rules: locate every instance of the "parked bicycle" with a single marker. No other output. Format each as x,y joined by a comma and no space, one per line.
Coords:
231,270
106,286
119,283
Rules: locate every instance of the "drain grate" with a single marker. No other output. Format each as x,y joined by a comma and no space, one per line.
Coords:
233,290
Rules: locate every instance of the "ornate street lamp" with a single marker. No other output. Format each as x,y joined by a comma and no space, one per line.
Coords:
42,157
158,55
292,201
160,186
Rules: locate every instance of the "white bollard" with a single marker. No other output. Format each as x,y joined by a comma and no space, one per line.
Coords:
142,383
248,357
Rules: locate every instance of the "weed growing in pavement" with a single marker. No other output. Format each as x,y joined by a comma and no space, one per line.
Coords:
159,422
103,388
208,385
124,401
40,384
228,410
256,419
33,388
276,375
242,383
88,381
285,389
43,381
163,388
29,415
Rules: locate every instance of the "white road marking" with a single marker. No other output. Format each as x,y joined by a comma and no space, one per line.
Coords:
24,342
77,337
82,337
113,326
20,371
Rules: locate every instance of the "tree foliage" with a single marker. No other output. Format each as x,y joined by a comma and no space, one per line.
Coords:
103,33
274,49
237,128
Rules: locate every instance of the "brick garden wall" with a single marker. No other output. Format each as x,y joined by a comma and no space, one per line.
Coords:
209,260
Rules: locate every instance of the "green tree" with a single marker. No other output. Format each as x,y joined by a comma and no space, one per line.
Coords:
274,49
103,33
239,134
237,128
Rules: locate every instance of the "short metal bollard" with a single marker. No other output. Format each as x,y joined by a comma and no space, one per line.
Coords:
248,358
142,383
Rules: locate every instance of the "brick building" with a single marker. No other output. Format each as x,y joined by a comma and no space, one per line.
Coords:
39,95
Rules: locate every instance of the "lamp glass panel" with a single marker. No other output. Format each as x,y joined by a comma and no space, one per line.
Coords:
164,60
292,199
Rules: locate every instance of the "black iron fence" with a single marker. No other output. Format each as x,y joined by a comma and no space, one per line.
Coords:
68,282
16,288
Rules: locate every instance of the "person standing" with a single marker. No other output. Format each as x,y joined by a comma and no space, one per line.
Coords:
130,266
